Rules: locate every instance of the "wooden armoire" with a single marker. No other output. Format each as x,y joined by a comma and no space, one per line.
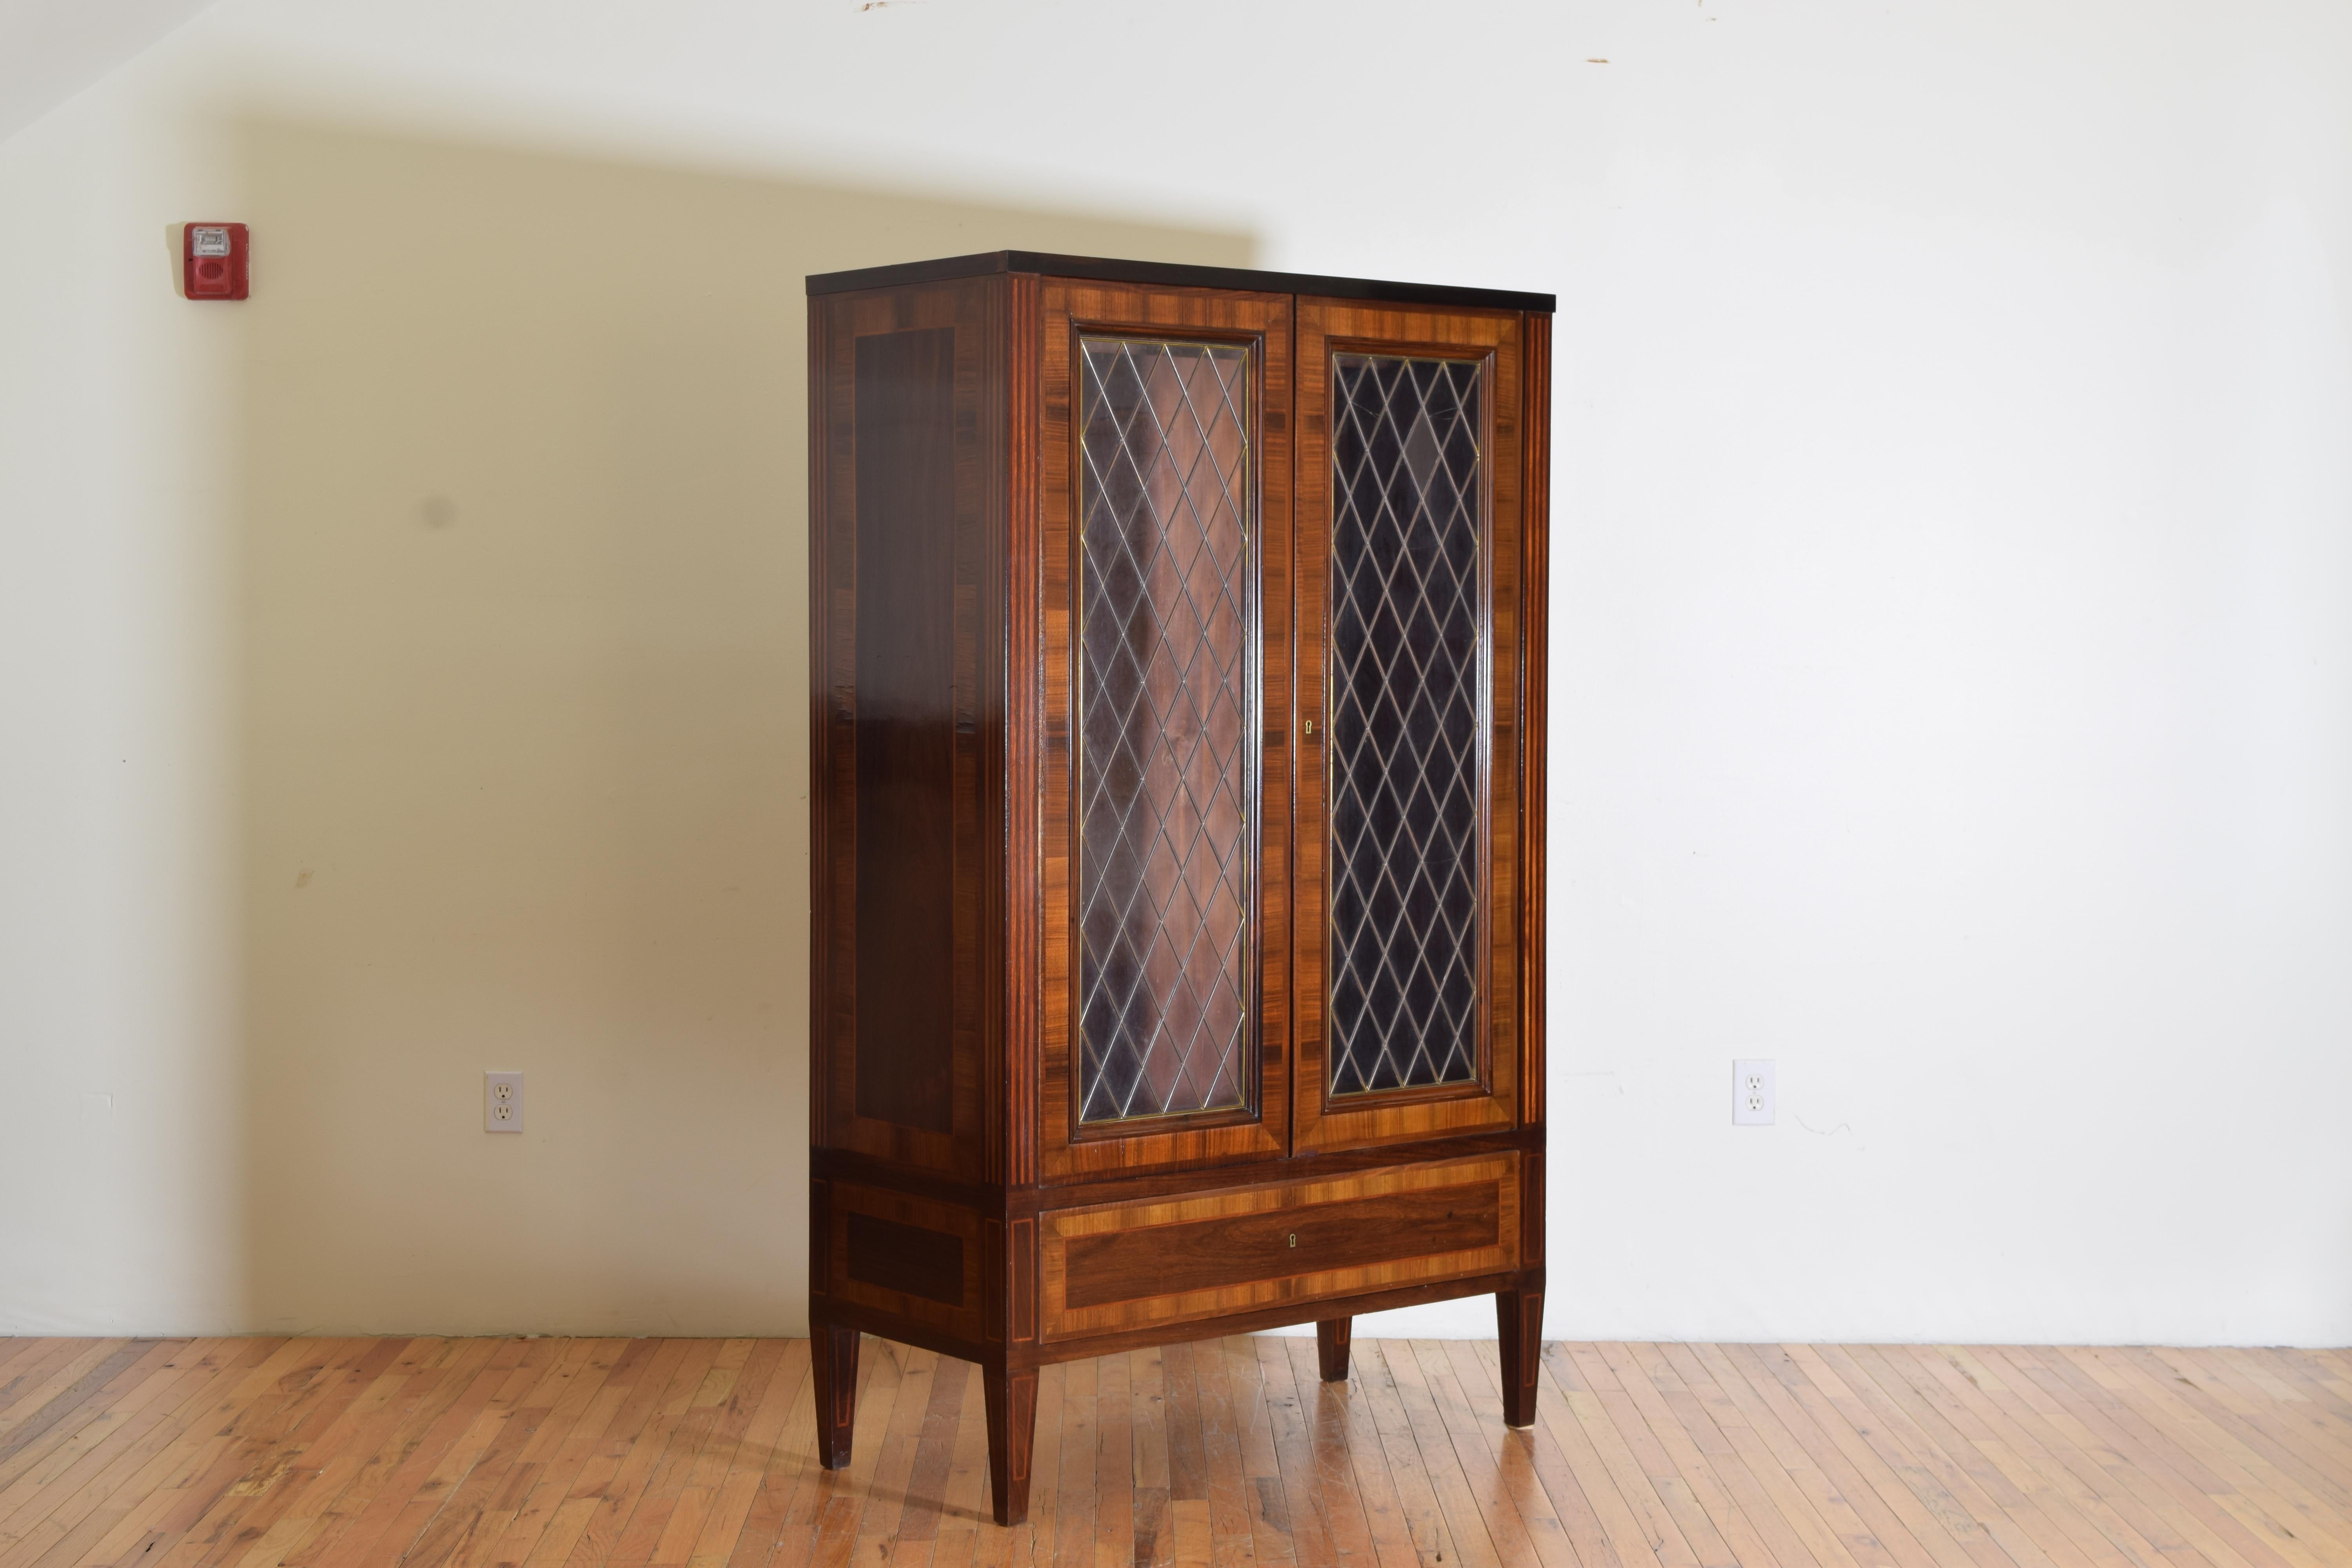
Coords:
1178,680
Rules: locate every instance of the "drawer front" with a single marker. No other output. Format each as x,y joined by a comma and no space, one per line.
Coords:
1118,1267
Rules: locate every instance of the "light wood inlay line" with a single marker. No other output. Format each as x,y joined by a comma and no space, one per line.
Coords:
699,1454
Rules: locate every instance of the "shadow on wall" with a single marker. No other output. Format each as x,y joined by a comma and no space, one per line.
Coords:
525,752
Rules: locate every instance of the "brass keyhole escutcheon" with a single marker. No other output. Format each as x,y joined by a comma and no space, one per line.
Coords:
1310,726
1294,1239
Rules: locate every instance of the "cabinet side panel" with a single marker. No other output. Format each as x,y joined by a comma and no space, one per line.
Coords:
908,483
905,401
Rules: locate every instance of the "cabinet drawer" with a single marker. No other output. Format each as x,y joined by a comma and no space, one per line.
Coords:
1118,1267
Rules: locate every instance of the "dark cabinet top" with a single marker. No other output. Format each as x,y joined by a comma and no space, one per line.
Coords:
1171,274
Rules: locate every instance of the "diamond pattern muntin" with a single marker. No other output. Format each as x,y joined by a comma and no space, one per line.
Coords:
1404,721
1164,685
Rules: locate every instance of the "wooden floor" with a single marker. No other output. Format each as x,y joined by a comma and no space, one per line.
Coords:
350,1452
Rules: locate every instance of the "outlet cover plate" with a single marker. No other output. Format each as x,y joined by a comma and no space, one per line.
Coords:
502,1102
1752,1097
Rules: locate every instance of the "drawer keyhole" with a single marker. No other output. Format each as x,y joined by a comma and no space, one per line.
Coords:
1294,1239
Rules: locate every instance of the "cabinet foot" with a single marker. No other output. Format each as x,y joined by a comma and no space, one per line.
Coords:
1519,1323
1331,1337
1011,1435
832,1355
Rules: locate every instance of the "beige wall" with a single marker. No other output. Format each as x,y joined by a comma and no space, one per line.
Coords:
524,692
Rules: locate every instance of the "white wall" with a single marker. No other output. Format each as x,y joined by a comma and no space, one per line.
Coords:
1953,585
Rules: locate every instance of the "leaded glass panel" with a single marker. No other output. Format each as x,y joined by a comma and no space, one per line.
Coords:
1405,709
1164,683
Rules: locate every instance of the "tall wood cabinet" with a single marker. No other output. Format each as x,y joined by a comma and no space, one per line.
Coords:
1178,685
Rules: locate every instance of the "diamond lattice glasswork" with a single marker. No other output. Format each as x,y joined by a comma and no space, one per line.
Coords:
1404,721
1163,691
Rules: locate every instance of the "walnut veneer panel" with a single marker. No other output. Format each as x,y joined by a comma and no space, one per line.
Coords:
1112,1267
905,1255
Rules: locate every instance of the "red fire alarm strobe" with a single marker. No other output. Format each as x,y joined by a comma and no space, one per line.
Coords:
212,261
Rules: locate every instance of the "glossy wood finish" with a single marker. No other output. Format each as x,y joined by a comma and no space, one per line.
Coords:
373,1453
833,1353
1327,327
911,1256
1175,275
903,397
1066,1150
1519,1339
1011,1399
957,1203
1332,1337
907,476
1535,687
1122,1267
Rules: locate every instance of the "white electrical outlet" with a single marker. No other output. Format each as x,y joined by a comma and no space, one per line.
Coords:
1752,1094
502,1102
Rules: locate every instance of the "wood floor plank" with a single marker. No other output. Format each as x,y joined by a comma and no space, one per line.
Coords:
1629,1534
2063,1501
393,1453
1771,1450
964,1500
2076,1474
1928,1511
87,1460
1472,1405
1323,1528
2282,1499
1711,1520
1032,1541
1892,1517
284,1496
1972,1501
1771,1497
1896,1381
735,1484
1583,1395
2079,1455
530,1498
1422,1515
2280,1452
793,1486
55,1404
1345,1434
888,1504
72,1434
688,1419
59,1367
1271,1537
1739,1510
1480,1535
81,1514
2299,1446
1231,1523
2167,1475
257,1459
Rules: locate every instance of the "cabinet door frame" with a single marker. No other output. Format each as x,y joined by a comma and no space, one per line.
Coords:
1491,1101
1069,309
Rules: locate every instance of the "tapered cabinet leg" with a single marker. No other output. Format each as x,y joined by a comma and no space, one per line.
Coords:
834,1353
1518,1325
1011,1435
1331,1337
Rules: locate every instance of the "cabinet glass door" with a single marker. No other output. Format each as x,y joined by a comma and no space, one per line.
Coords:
1405,699
1166,772
1166,601
1409,533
